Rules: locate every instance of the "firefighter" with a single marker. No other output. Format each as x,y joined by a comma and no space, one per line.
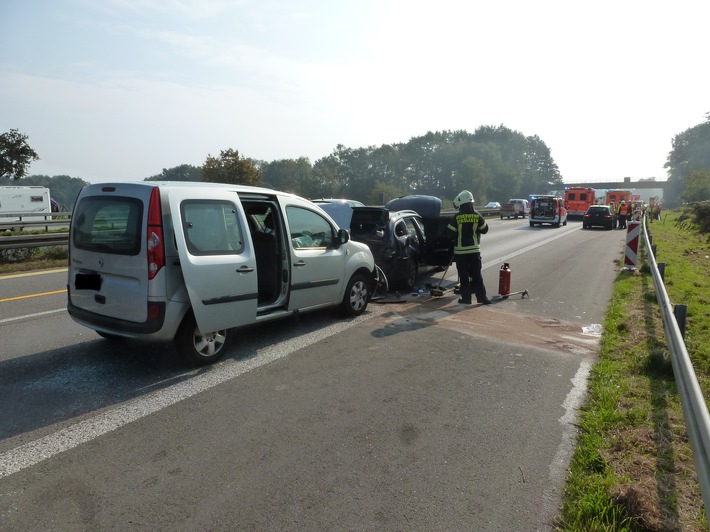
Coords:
621,214
466,228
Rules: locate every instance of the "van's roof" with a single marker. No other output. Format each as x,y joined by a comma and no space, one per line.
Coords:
194,184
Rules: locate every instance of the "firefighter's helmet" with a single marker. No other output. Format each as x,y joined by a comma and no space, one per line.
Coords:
463,197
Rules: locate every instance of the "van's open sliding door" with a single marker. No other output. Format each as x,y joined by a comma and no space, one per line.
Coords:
216,256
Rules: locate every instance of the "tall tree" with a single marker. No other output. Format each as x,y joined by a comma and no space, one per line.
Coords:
541,173
184,172
325,183
230,168
697,186
15,155
690,151
292,175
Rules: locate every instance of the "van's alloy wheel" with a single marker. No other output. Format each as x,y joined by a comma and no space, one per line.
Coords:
200,348
357,295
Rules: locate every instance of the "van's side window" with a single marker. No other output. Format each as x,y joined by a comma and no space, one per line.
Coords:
309,229
211,227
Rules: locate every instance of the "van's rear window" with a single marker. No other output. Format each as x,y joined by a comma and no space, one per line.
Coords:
108,224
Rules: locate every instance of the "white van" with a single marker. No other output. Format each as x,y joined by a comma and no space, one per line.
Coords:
186,262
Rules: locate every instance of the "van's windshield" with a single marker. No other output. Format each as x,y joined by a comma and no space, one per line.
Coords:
108,224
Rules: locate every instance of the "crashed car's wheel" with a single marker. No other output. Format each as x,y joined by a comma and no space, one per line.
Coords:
411,270
357,294
199,348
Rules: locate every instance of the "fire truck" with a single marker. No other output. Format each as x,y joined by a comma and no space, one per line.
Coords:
578,200
617,195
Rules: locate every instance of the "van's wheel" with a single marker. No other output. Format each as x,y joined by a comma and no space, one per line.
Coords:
357,294
197,348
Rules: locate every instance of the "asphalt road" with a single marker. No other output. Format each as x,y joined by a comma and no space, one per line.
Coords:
420,415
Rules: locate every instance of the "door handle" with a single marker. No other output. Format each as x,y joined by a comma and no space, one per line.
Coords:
300,263
245,269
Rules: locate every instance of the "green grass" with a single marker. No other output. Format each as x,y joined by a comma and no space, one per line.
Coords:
633,469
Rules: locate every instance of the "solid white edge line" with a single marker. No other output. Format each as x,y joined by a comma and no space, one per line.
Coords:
30,316
34,452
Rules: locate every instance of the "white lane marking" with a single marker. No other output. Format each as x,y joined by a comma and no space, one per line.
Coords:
504,258
30,316
36,451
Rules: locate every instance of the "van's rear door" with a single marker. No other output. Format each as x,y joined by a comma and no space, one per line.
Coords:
216,256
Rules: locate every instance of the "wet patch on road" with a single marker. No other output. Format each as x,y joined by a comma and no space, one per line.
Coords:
493,322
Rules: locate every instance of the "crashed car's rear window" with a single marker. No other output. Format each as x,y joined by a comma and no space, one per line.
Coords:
108,224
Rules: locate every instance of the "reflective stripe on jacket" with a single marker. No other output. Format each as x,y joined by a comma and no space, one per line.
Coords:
466,228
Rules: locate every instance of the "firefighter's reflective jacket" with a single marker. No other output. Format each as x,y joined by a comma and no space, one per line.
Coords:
466,228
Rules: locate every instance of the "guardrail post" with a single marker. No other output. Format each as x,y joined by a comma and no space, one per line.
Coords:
653,250
680,312
662,270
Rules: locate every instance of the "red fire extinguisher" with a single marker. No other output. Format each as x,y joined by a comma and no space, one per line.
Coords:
504,281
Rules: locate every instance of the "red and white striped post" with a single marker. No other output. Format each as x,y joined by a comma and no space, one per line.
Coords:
633,231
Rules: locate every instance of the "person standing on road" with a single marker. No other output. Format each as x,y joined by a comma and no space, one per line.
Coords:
466,228
621,214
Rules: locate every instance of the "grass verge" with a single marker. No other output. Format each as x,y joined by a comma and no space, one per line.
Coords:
633,468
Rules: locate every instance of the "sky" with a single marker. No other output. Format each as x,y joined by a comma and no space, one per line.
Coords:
118,90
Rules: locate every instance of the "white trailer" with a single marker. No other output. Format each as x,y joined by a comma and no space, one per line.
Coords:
25,203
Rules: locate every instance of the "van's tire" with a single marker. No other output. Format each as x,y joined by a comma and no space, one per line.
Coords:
200,349
357,295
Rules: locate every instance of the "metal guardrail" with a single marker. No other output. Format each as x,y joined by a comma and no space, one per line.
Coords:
34,241
695,411
22,220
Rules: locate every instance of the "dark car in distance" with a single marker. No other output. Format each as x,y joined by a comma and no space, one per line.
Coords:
598,216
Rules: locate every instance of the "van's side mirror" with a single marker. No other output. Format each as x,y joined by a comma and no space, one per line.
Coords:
343,237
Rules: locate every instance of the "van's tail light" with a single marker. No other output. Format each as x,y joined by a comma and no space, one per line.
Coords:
156,248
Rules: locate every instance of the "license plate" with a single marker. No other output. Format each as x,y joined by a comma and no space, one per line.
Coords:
87,281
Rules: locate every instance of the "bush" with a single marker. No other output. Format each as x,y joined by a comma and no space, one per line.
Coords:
16,255
701,211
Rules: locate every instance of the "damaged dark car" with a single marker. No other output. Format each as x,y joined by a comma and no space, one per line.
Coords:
404,241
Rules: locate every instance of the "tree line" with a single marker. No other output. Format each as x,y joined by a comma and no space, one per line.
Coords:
494,162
